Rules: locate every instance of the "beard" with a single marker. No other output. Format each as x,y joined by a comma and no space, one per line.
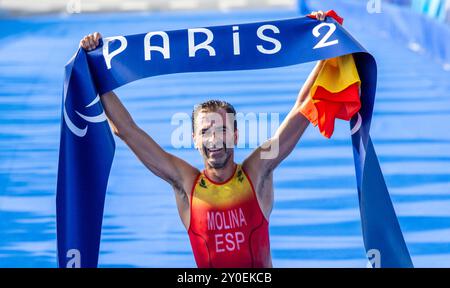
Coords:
217,158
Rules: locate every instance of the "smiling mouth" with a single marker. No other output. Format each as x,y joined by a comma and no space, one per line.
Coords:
214,151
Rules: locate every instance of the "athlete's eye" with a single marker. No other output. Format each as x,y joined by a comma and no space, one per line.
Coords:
207,132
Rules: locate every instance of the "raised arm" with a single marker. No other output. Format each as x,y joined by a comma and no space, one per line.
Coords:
165,165
263,160
268,156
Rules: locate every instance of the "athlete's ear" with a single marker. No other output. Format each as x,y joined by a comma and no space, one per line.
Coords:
236,137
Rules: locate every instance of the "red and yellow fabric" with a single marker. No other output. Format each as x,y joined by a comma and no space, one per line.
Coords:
228,228
335,92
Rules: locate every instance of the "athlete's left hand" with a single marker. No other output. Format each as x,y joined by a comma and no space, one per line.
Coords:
320,15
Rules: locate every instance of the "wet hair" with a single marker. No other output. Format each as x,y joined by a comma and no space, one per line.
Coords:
212,106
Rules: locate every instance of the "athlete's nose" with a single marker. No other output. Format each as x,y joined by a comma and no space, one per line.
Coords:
213,136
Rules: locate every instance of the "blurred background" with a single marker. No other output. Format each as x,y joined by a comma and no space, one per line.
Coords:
315,221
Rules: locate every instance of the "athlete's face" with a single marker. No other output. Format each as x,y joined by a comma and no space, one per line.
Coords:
215,137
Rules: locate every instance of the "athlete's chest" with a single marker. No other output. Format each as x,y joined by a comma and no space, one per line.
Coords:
234,193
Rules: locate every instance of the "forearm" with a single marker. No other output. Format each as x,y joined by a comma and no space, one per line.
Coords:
295,124
295,119
152,155
119,118
305,91
162,164
288,134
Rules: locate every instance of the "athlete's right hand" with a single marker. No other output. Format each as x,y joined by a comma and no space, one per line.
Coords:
91,41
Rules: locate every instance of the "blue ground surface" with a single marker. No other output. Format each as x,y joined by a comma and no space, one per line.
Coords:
315,222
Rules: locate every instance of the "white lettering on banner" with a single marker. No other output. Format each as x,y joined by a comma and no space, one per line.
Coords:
323,42
226,220
236,43
204,45
108,56
192,46
165,49
260,34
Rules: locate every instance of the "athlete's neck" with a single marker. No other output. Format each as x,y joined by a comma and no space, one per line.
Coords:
222,174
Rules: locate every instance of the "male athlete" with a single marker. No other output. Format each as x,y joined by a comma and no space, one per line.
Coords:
226,207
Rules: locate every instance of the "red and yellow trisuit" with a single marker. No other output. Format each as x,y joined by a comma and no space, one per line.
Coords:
228,227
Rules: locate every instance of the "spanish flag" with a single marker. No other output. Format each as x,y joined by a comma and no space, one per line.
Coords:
334,94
